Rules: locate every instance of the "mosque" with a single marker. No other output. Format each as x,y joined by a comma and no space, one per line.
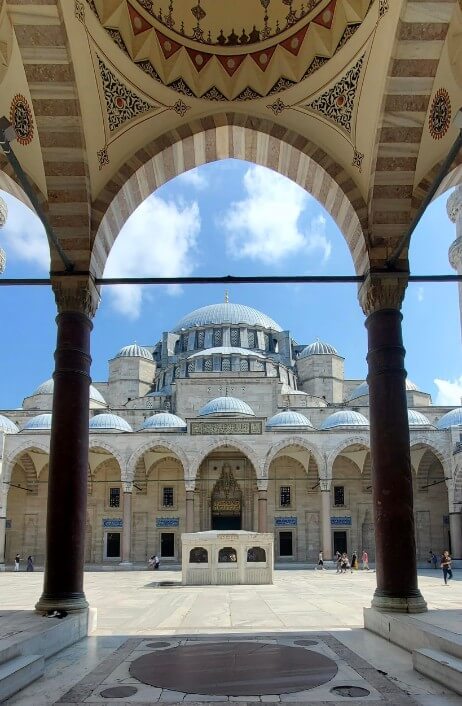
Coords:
227,423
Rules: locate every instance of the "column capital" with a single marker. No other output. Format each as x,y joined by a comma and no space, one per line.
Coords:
127,486
262,484
454,205
74,293
455,254
382,290
190,486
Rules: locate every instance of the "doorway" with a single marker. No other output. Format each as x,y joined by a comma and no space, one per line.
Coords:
112,545
167,545
285,544
340,542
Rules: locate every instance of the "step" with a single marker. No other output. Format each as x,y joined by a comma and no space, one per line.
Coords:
18,673
440,667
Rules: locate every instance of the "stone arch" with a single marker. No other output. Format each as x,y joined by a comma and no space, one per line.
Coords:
148,446
12,458
241,446
157,463
294,441
222,136
425,440
11,187
458,488
362,440
30,471
96,444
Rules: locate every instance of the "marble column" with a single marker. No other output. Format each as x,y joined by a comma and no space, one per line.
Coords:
454,210
127,523
262,510
455,527
326,535
68,464
392,498
190,511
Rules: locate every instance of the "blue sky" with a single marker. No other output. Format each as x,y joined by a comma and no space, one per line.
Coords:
223,218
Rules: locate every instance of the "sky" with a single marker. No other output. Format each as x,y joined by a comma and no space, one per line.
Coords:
229,217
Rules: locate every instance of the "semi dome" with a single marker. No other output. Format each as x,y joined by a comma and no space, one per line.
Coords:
226,350
134,351
164,421
47,387
7,426
41,421
417,419
226,406
363,389
226,313
108,422
345,418
288,419
318,348
450,419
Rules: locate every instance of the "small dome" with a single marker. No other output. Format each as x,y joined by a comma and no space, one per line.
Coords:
345,418
226,350
288,418
450,419
226,313
7,426
47,387
318,348
108,422
41,421
134,351
226,406
164,421
417,419
363,389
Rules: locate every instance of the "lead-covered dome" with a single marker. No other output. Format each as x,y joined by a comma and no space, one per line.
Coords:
450,419
226,406
164,421
7,426
226,313
318,348
288,419
108,422
38,423
363,389
345,418
417,419
134,351
47,387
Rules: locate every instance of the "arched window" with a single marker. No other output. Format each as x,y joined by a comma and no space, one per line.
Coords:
256,554
244,365
208,365
217,337
198,555
226,364
227,554
235,337
191,367
252,338
200,339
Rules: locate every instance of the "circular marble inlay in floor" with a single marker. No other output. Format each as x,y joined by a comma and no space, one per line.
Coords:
350,691
118,692
234,669
305,643
157,645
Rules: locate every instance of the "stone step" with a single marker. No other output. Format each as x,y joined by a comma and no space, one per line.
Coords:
18,672
440,667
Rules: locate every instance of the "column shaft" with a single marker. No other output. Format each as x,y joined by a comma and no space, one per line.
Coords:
326,539
189,511
455,526
68,466
262,510
2,541
127,529
391,466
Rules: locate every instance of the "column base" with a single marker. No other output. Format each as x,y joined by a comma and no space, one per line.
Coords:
414,603
70,602
2,567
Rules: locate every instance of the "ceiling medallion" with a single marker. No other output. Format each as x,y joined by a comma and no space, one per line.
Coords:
439,118
22,120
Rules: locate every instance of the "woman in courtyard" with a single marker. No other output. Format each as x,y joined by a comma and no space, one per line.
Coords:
446,561
30,563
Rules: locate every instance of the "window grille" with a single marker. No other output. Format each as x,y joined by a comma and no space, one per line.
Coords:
339,495
191,367
167,497
184,342
114,497
259,365
235,337
208,365
226,364
200,339
251,338
284,494
217,337
244,366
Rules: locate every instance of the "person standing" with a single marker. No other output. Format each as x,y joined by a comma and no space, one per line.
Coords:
30,563
354,561
320,561
17,559
365,560
156,562
338,560
434,560
446,561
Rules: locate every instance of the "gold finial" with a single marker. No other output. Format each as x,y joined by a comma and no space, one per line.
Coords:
226,296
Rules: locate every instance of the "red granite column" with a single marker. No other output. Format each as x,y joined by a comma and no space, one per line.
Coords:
396,563
68,465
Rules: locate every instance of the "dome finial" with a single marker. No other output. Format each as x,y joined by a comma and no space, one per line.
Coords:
226,296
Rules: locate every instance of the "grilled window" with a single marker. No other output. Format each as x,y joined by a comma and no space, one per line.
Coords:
208,365
235,337
217,337
200,339
226,364
339,495
284,495
251,336
167,497
114,497
244,365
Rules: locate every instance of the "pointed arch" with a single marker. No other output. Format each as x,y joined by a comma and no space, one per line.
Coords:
175,449
295,441
97,444
360,439
241,446
14,456
441,452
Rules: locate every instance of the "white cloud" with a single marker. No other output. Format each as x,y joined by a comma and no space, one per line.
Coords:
449,391
158,240
23,236
265,224
194,177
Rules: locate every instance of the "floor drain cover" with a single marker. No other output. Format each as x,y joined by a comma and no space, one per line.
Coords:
350,691
158,644
305,643
234,669
118,692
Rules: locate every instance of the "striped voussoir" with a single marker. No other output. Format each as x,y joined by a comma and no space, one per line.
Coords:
50,75
410,84
221,137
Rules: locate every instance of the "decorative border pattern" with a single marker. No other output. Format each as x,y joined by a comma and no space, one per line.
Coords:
22,120
439,118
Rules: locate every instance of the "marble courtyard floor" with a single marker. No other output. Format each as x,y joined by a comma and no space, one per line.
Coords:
304,615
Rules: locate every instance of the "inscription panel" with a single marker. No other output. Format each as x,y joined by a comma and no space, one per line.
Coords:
235,427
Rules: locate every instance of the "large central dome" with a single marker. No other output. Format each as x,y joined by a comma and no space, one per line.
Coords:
226,313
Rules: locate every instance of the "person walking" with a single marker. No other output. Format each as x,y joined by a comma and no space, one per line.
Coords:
30,563
156,562
338,560
17,559
354,561
434,560
320,561
446,561
365,560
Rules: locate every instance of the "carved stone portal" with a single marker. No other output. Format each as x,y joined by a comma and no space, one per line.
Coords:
226,501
